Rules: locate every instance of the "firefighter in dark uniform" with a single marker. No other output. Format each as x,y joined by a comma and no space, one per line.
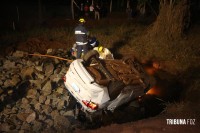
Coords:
81,35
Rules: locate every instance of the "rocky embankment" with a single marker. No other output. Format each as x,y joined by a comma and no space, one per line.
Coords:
32,94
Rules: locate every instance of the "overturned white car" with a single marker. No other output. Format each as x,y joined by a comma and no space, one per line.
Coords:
105,84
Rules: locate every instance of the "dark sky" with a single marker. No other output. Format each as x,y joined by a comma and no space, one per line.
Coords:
60,2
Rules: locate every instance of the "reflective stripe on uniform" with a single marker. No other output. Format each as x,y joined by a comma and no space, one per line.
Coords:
81,43
93,44
79,32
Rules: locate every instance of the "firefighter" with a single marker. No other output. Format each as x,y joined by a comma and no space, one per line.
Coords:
104,53
81,34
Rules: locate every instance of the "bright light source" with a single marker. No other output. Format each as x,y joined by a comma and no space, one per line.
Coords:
154,91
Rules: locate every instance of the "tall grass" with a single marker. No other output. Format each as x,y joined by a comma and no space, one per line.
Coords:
122,36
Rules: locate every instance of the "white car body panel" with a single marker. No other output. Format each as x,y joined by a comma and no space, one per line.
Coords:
80,83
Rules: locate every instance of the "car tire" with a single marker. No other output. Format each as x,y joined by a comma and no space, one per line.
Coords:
89,55
114,89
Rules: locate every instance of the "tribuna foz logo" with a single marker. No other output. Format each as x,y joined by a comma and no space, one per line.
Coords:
181,121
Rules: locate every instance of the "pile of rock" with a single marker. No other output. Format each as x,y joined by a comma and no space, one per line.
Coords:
32,93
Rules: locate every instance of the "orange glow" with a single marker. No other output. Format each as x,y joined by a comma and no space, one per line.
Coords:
154,91
150,70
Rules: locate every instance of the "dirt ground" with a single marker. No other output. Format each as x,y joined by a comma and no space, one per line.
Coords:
156,124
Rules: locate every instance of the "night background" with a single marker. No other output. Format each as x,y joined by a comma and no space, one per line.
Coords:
163,35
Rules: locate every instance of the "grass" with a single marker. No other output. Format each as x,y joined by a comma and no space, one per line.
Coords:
121,35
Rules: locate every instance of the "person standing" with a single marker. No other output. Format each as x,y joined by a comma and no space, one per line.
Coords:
86,10
129,12
91,11
97,12
81,35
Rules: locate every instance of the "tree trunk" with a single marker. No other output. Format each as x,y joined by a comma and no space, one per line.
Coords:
110,6
128,4
72,8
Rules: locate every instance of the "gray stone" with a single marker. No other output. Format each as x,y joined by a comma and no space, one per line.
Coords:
30,63
34,101
55,78
61,104
25,106
47,89
7,111
49,69
19,54
48,101
46,109
27,73
69,113
7,83
8,64
37,83
15,80
39,75
25,101
54,113
57,61
57,70
49,122
38,106
65,97
50,51
60,90
28,111
13,119
18,65
25,126
31,117
22,116
61,122
4,127
55,102
39,68
42,99
42,117
64,70
37,126
10,92
15,110
32,93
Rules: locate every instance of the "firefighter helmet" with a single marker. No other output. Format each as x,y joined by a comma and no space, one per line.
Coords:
82,20
100,48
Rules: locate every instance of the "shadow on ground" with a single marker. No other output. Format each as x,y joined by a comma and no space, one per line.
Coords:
19,92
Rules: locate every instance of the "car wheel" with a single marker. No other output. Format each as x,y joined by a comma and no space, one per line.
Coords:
115,88
89,55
